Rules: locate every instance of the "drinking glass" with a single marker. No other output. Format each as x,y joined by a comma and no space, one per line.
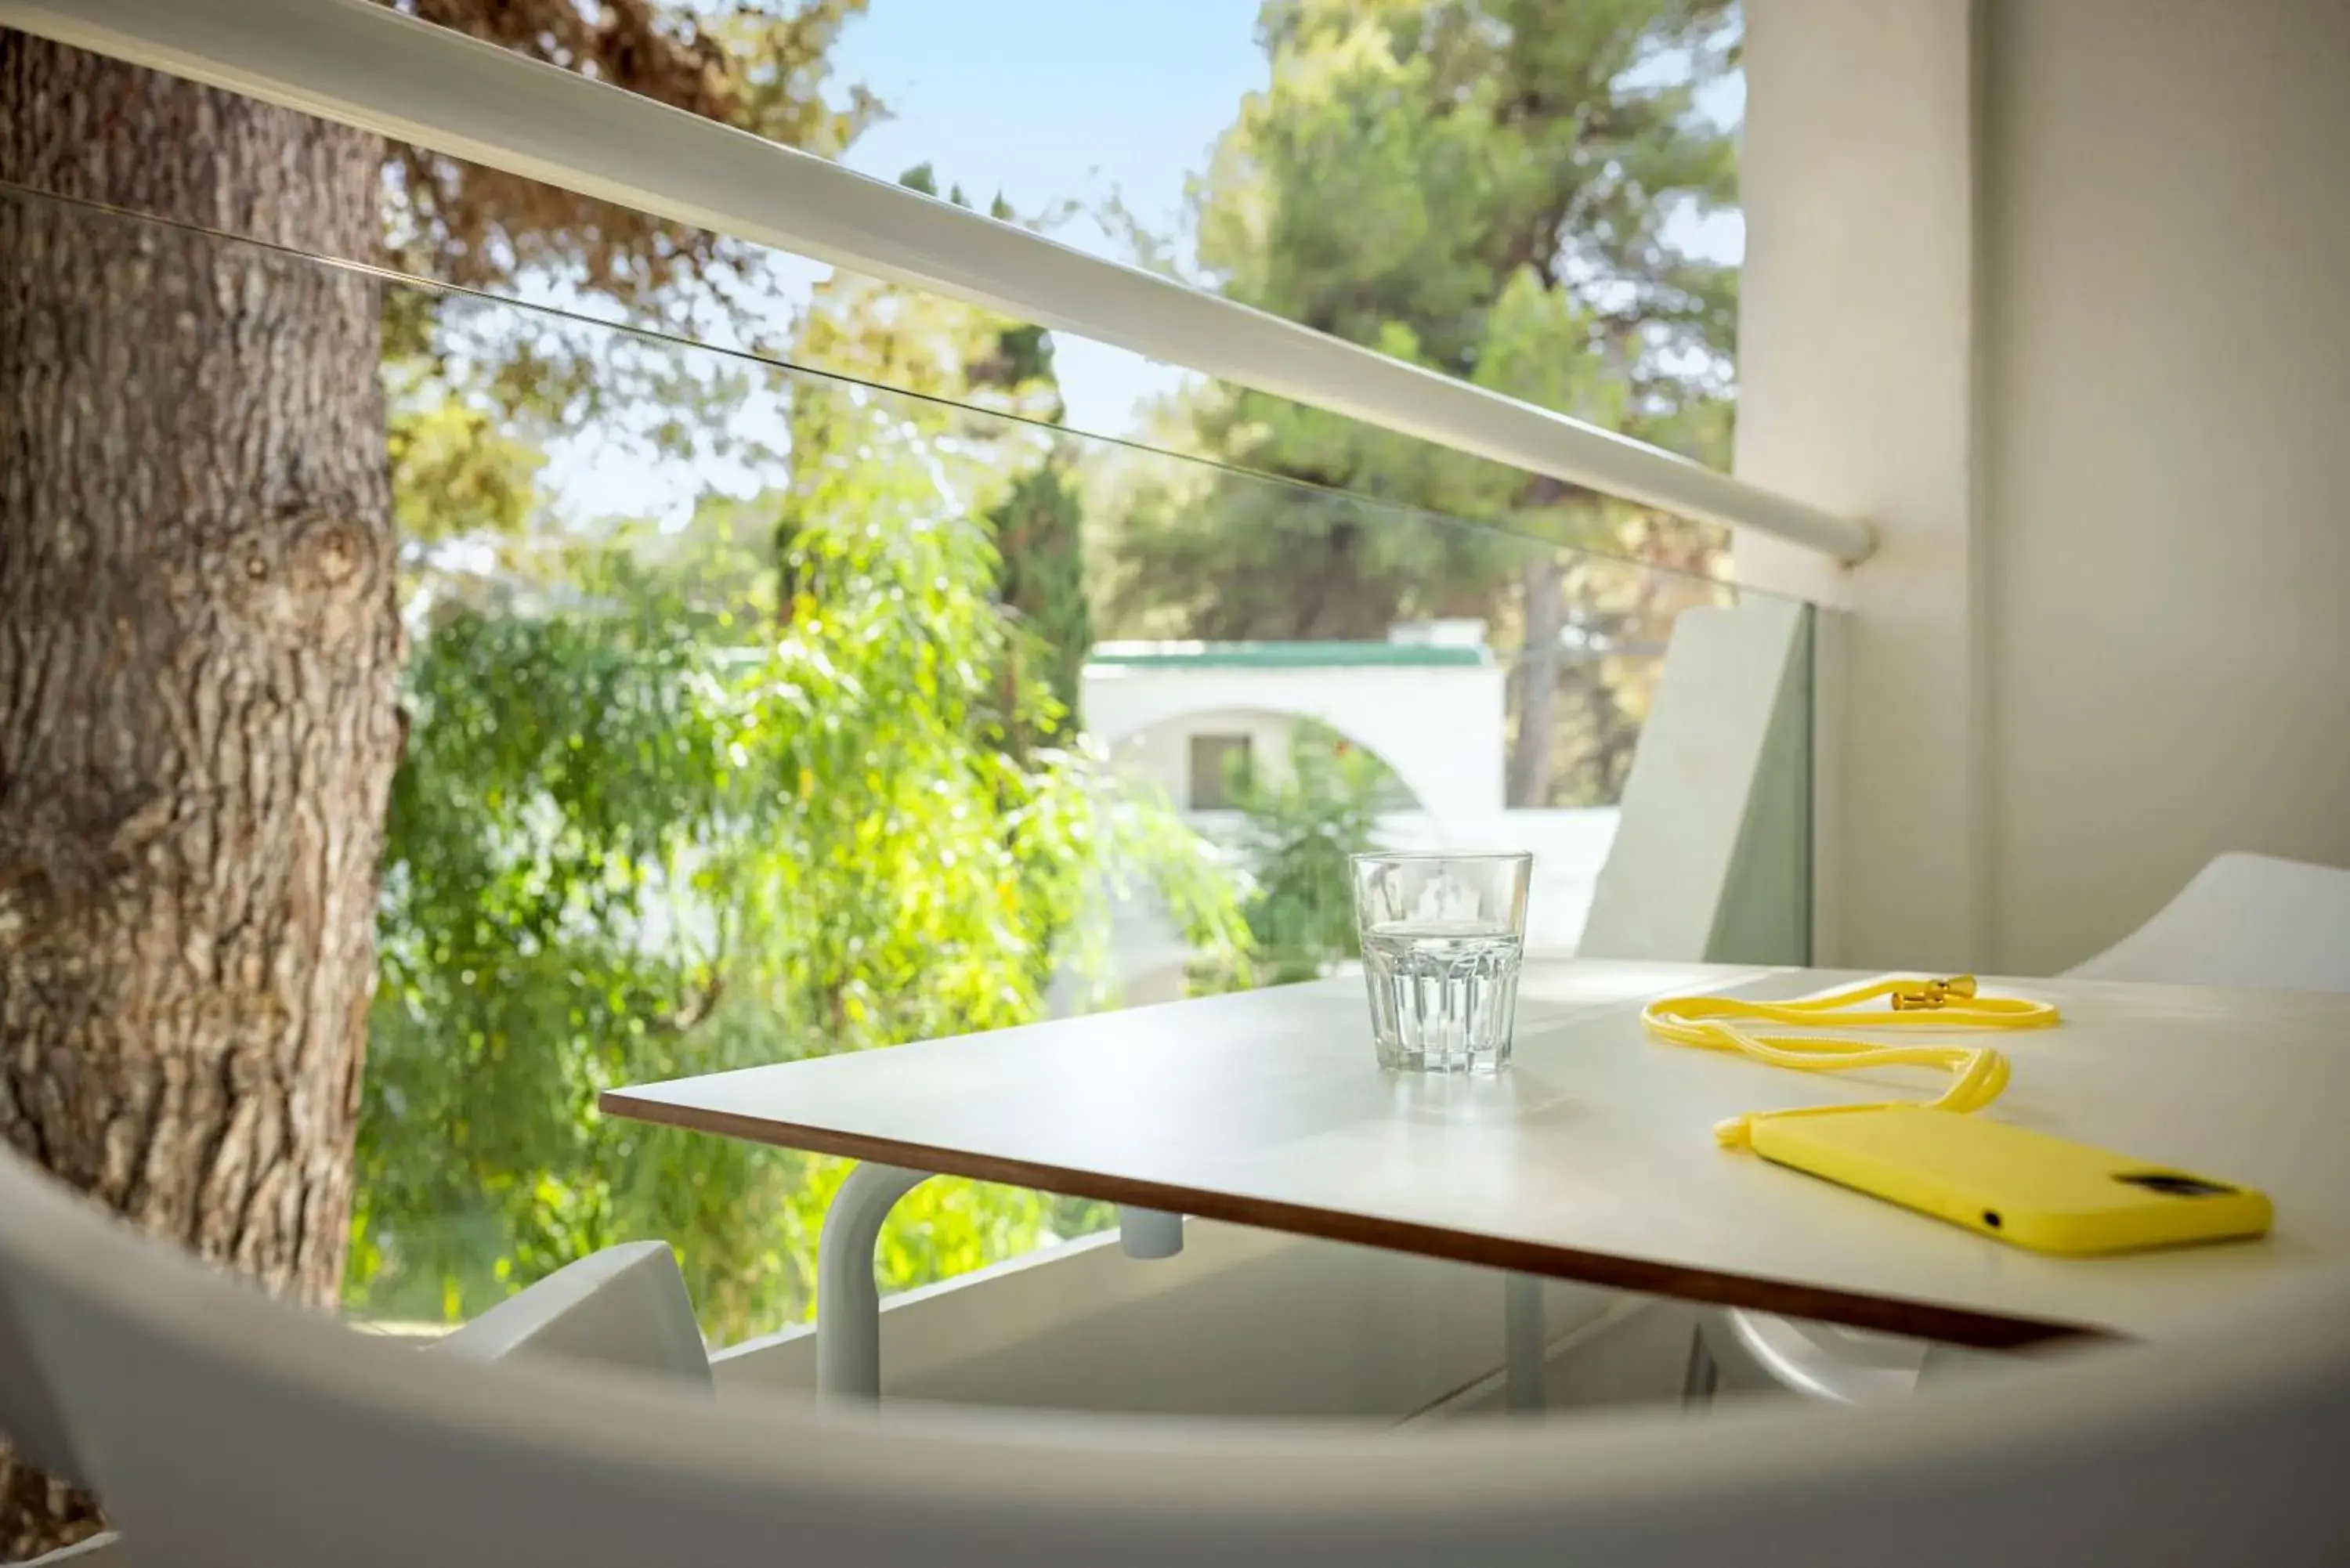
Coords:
1443,939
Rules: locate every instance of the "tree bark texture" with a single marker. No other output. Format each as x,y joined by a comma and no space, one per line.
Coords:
198,642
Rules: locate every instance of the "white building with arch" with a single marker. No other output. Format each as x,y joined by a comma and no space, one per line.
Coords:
1429,703
1431,711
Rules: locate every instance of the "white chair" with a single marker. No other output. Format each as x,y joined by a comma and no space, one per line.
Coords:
101,1551
30,1417
233,1431
625,1308
34,1427
2246,921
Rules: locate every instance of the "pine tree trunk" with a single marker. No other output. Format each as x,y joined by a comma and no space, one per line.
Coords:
198,642
1531,748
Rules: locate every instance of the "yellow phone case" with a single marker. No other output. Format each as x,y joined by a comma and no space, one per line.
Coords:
2024,1186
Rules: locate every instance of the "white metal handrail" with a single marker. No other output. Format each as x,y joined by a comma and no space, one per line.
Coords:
368,66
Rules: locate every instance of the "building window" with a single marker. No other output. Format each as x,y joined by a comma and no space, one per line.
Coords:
1218,763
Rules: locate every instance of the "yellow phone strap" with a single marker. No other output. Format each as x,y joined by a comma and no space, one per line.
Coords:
1978,1072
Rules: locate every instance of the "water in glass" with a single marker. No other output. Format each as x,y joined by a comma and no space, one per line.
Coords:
1443,992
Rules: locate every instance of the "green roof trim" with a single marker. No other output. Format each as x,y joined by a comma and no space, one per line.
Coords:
1288,655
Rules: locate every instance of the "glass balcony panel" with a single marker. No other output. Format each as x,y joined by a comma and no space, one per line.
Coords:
757,710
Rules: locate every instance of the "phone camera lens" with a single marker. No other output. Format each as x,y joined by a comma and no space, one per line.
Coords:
2173,1184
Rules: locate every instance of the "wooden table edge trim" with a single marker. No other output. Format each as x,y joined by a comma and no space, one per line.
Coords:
1918,1320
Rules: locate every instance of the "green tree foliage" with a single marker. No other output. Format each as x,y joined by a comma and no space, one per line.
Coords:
647,829
1477,186
1297,832
1039,534
762,66
1039,526
962,354
456,471
801,777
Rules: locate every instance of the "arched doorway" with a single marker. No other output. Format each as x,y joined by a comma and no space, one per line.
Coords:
1434,715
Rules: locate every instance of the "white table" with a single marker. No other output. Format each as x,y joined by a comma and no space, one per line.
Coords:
1591,1158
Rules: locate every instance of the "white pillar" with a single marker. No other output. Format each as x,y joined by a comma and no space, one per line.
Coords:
1860,338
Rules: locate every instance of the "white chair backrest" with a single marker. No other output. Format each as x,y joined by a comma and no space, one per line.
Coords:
625,1307
2247,920
1709,859
230,1430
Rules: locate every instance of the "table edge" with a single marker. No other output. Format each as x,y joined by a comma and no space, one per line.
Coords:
1919,1320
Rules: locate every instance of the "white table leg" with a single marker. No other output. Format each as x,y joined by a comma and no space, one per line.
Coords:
1525,1339
1149,1232
847,1302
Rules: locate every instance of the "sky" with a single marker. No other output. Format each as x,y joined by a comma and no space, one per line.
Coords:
1051,98
1049,101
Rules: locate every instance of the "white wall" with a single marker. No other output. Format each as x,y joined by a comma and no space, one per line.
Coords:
1440,727
1856,381
2057,295
1162,752
2167,267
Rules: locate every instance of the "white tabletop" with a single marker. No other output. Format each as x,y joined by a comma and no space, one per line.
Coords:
1592,1157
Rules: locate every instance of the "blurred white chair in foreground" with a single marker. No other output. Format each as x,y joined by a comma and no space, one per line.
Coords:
31,1418
101,1551
2249,921
625,1307
33,1426
231,1430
